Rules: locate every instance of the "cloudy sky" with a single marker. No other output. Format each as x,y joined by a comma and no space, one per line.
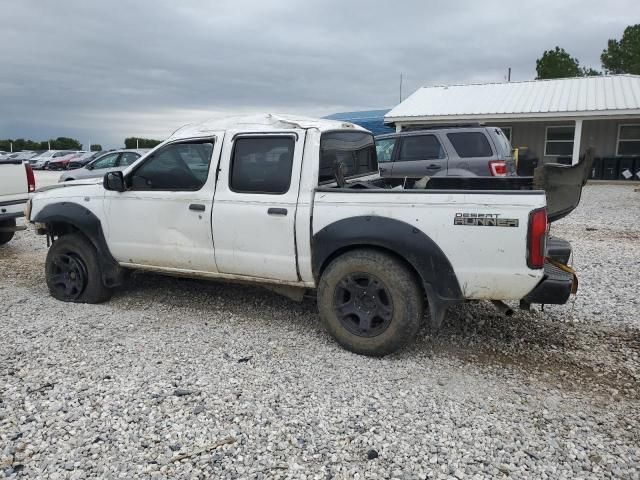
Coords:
104,70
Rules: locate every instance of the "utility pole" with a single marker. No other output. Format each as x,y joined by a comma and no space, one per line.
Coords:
400,87
509,75
49,143
11,145
137,143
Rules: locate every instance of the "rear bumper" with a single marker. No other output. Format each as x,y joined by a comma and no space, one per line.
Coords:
558,283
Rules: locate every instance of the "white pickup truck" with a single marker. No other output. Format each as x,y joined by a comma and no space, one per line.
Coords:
16,182
297,204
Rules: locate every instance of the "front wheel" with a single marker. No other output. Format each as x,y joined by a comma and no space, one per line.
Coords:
370,302
72,271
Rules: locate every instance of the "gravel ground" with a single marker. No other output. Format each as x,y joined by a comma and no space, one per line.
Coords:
176,378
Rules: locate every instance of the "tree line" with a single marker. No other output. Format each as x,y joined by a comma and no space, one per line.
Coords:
620,56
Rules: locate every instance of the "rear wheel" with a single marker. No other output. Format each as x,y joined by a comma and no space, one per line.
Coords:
5,237
72,271
370,302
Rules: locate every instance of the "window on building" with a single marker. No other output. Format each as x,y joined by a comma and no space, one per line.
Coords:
262,164
628,140
559,141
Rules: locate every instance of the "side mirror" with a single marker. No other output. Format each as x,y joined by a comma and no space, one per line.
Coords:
114,181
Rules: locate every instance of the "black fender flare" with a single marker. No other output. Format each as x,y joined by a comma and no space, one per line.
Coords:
408,242
83,220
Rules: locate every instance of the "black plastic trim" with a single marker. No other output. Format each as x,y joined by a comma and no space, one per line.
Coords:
87,223
13,202
554,289
410,243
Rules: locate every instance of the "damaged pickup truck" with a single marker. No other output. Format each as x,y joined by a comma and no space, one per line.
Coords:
297,204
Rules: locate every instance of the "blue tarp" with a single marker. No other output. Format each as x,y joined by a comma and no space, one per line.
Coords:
372,120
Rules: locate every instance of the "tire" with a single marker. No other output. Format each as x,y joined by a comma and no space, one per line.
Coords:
72,271
370,302
5,237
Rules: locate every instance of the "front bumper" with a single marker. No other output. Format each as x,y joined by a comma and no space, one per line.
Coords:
558,283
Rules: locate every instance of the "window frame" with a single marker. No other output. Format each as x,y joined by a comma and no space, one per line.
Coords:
493,150
151,154
618,140
547,141
243,136
421,159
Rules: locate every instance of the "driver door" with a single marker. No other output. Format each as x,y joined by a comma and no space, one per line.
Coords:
163,219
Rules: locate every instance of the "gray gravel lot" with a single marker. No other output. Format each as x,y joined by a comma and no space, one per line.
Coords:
187,379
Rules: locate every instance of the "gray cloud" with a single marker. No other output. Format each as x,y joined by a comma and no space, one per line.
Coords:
105,70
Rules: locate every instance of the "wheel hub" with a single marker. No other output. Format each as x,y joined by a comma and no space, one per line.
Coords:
68,276
363,304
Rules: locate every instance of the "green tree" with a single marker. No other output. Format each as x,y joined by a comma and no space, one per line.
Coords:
589,72
136,142
65,143
557,64
96,147
623,56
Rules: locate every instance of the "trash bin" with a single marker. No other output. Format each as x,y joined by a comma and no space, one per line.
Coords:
596,169
625,168
527,162
610,168
636,169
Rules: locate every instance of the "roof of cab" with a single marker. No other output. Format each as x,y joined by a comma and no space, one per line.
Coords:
260,123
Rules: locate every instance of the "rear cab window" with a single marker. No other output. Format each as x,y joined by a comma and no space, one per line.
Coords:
355,150
470,144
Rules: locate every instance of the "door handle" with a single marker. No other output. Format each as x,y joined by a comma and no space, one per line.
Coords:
277,211
434,166
197,207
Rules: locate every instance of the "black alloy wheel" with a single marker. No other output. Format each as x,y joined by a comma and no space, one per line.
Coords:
363,304
68,276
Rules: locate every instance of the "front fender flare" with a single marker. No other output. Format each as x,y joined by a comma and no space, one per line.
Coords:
83,220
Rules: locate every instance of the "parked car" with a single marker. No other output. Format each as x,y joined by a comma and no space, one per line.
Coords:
298,204
116,160
445,151
62,162
41,161
24,155
83,159
16,182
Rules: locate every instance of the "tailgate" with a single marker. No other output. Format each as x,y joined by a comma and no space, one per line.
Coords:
13,181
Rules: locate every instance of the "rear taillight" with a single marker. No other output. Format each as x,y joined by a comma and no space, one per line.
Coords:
537,238
31,179
498,168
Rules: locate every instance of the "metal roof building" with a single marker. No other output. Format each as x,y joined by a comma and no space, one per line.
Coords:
603,112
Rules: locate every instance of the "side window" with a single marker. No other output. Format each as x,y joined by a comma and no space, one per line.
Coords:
127,158
384,149
178,166
420,147
262,165
470,144
108,161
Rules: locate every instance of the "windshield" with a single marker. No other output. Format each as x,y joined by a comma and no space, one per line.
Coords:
356,150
